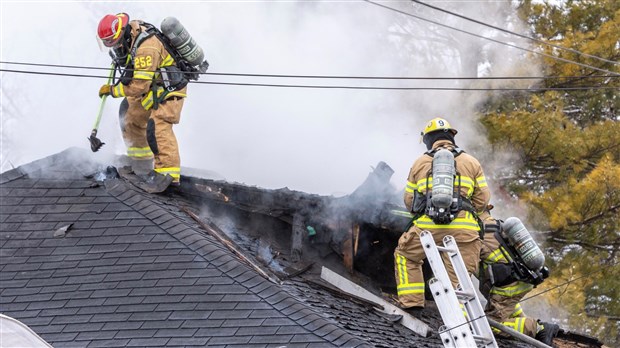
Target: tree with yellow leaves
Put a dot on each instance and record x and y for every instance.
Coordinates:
(568, 143)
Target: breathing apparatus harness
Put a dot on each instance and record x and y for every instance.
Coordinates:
(516, 269)
(173, 77)
(423, 202)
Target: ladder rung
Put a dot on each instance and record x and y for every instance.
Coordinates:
(446, 250)
(465, 294)
(482, 339)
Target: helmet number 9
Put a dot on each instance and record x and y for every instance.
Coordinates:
(440, 123)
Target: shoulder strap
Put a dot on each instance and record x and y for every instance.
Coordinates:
(455, 151)
(143, 35)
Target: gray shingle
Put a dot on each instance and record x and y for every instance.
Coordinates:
(95, 335)
(175, 332)
(110, 317)
(25, 217)
(140, 222)
(113, 224)
(272, 339)
(148, 342)
(193, 341)
(82, 327)
(215, 332)
(237, 339)
(210, 323)
(60, 337)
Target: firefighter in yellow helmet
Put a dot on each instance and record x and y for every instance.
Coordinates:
(153, 104)
(502, 291)
(463, 225)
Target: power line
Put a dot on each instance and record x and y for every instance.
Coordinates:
(491, 39)
(565, 283)
(341, 76)
(516, 34)
(338, 87)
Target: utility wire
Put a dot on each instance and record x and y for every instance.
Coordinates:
(516, 34)
(341, 77)
(339, 87)
(493, 40)
(530, 297)
(563, 284)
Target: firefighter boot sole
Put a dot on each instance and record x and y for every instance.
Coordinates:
(155, 184)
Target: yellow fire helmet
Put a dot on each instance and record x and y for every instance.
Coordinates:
(436, 124)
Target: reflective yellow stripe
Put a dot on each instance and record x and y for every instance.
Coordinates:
(147, 102)
(410, 187)
(139, 152)
(496, 256)
(467, 222)
(517, 312)
(176, 94)
(518, 324)
(167, 61)
(118, 91)
(143, 75)
(481, 181)
(401, 263)
(174, 172)
(408, 289)
(510, 291)
(465, 181)
(404, 287)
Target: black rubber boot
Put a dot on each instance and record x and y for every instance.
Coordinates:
(155, 182)
(548, 333)
(415, 311)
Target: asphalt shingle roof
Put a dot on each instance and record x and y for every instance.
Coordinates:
(130, 269)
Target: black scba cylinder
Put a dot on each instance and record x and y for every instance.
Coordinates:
(182, 41)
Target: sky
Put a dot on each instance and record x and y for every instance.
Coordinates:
(322, 141)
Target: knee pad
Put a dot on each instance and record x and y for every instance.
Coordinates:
(150, 136)
(122, 111)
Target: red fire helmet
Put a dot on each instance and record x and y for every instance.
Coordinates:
(111, 28)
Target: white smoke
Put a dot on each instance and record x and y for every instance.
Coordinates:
(314, 140)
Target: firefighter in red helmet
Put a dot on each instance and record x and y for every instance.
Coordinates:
(152, 103)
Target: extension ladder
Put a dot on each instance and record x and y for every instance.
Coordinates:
(458, 330)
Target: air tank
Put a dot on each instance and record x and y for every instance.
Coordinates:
(443, 180)
(524, 244)
(182, 41)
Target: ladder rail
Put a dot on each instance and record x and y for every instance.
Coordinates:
(465, 323)
(473, 307)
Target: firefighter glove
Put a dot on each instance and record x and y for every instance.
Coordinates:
(105, 90)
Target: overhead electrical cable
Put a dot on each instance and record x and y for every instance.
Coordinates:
(335, 86)
(491, 39)
(341, 76)
(516, 34)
